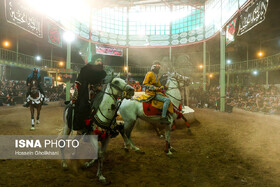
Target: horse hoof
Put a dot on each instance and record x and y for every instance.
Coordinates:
(32, 128)
(103, 181)
(126, 149)
(37, 122)
(87, 165)
(64, 165)
(170, 155)
(172, 149)
(190, 133)
(140, 152)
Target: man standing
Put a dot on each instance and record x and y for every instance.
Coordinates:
(152, 85)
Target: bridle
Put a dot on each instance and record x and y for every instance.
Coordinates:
(172, 79)
(116, 98)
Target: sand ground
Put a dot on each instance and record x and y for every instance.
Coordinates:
(236, 149)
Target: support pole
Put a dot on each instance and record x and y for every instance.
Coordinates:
(68, 66)
(56, 77)
(266, 80)
(126, 64)
(204, 66)
(227, 79)
(222, 70)
(247, 60)
(170, 54)
(52, 65)
(17, 50)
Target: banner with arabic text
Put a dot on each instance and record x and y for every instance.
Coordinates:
(252, 16)
(21, 15)
(107, 50)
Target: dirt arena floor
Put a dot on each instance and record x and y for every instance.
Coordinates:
(227, 149)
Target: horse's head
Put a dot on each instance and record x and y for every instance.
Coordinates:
(177, 80)
(34, 87)
(121, 88)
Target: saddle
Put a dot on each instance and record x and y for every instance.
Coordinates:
(152, 107)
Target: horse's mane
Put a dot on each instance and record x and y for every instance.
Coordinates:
(108, 79)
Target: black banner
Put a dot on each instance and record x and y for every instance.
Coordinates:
(54, 35)
(22, 16)
(252, 16)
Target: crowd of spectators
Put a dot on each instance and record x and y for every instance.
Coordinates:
(13, 92)
(54, 93)
(252, 98)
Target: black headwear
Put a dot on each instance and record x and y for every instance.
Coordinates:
(95, 57)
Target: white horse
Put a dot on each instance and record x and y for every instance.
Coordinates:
(130, 110)
(114, 93)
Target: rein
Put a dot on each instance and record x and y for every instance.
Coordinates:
(98, 121)
(170, 88)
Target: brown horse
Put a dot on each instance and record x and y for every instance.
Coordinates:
(35, 100)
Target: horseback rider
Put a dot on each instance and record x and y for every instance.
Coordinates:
(37, 77)
(152, 88)
(87, 85)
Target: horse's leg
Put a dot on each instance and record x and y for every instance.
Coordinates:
(187, 124)
(77, 137)
(167, 149)
(129, 113)
(32, 118)
(128, 127)
(95, 147)
(38, 113)
(66, 132)
(101, 153)
(125, 139)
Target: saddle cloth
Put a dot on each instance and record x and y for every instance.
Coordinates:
(35, 100)
(152, 107)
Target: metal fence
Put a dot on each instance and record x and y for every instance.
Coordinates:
(28, 61)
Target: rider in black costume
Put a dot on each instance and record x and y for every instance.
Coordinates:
(34, 76)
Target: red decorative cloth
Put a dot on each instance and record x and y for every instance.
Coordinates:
(149, 110)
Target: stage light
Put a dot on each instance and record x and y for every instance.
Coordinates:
(255, 72)
(200, 66)
(61, 63)
(6, 44)
(38, 58)
(69, 37)
(228, 61)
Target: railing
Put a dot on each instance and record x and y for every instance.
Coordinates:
(30, 61)
(24, 60)
(255, 64)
